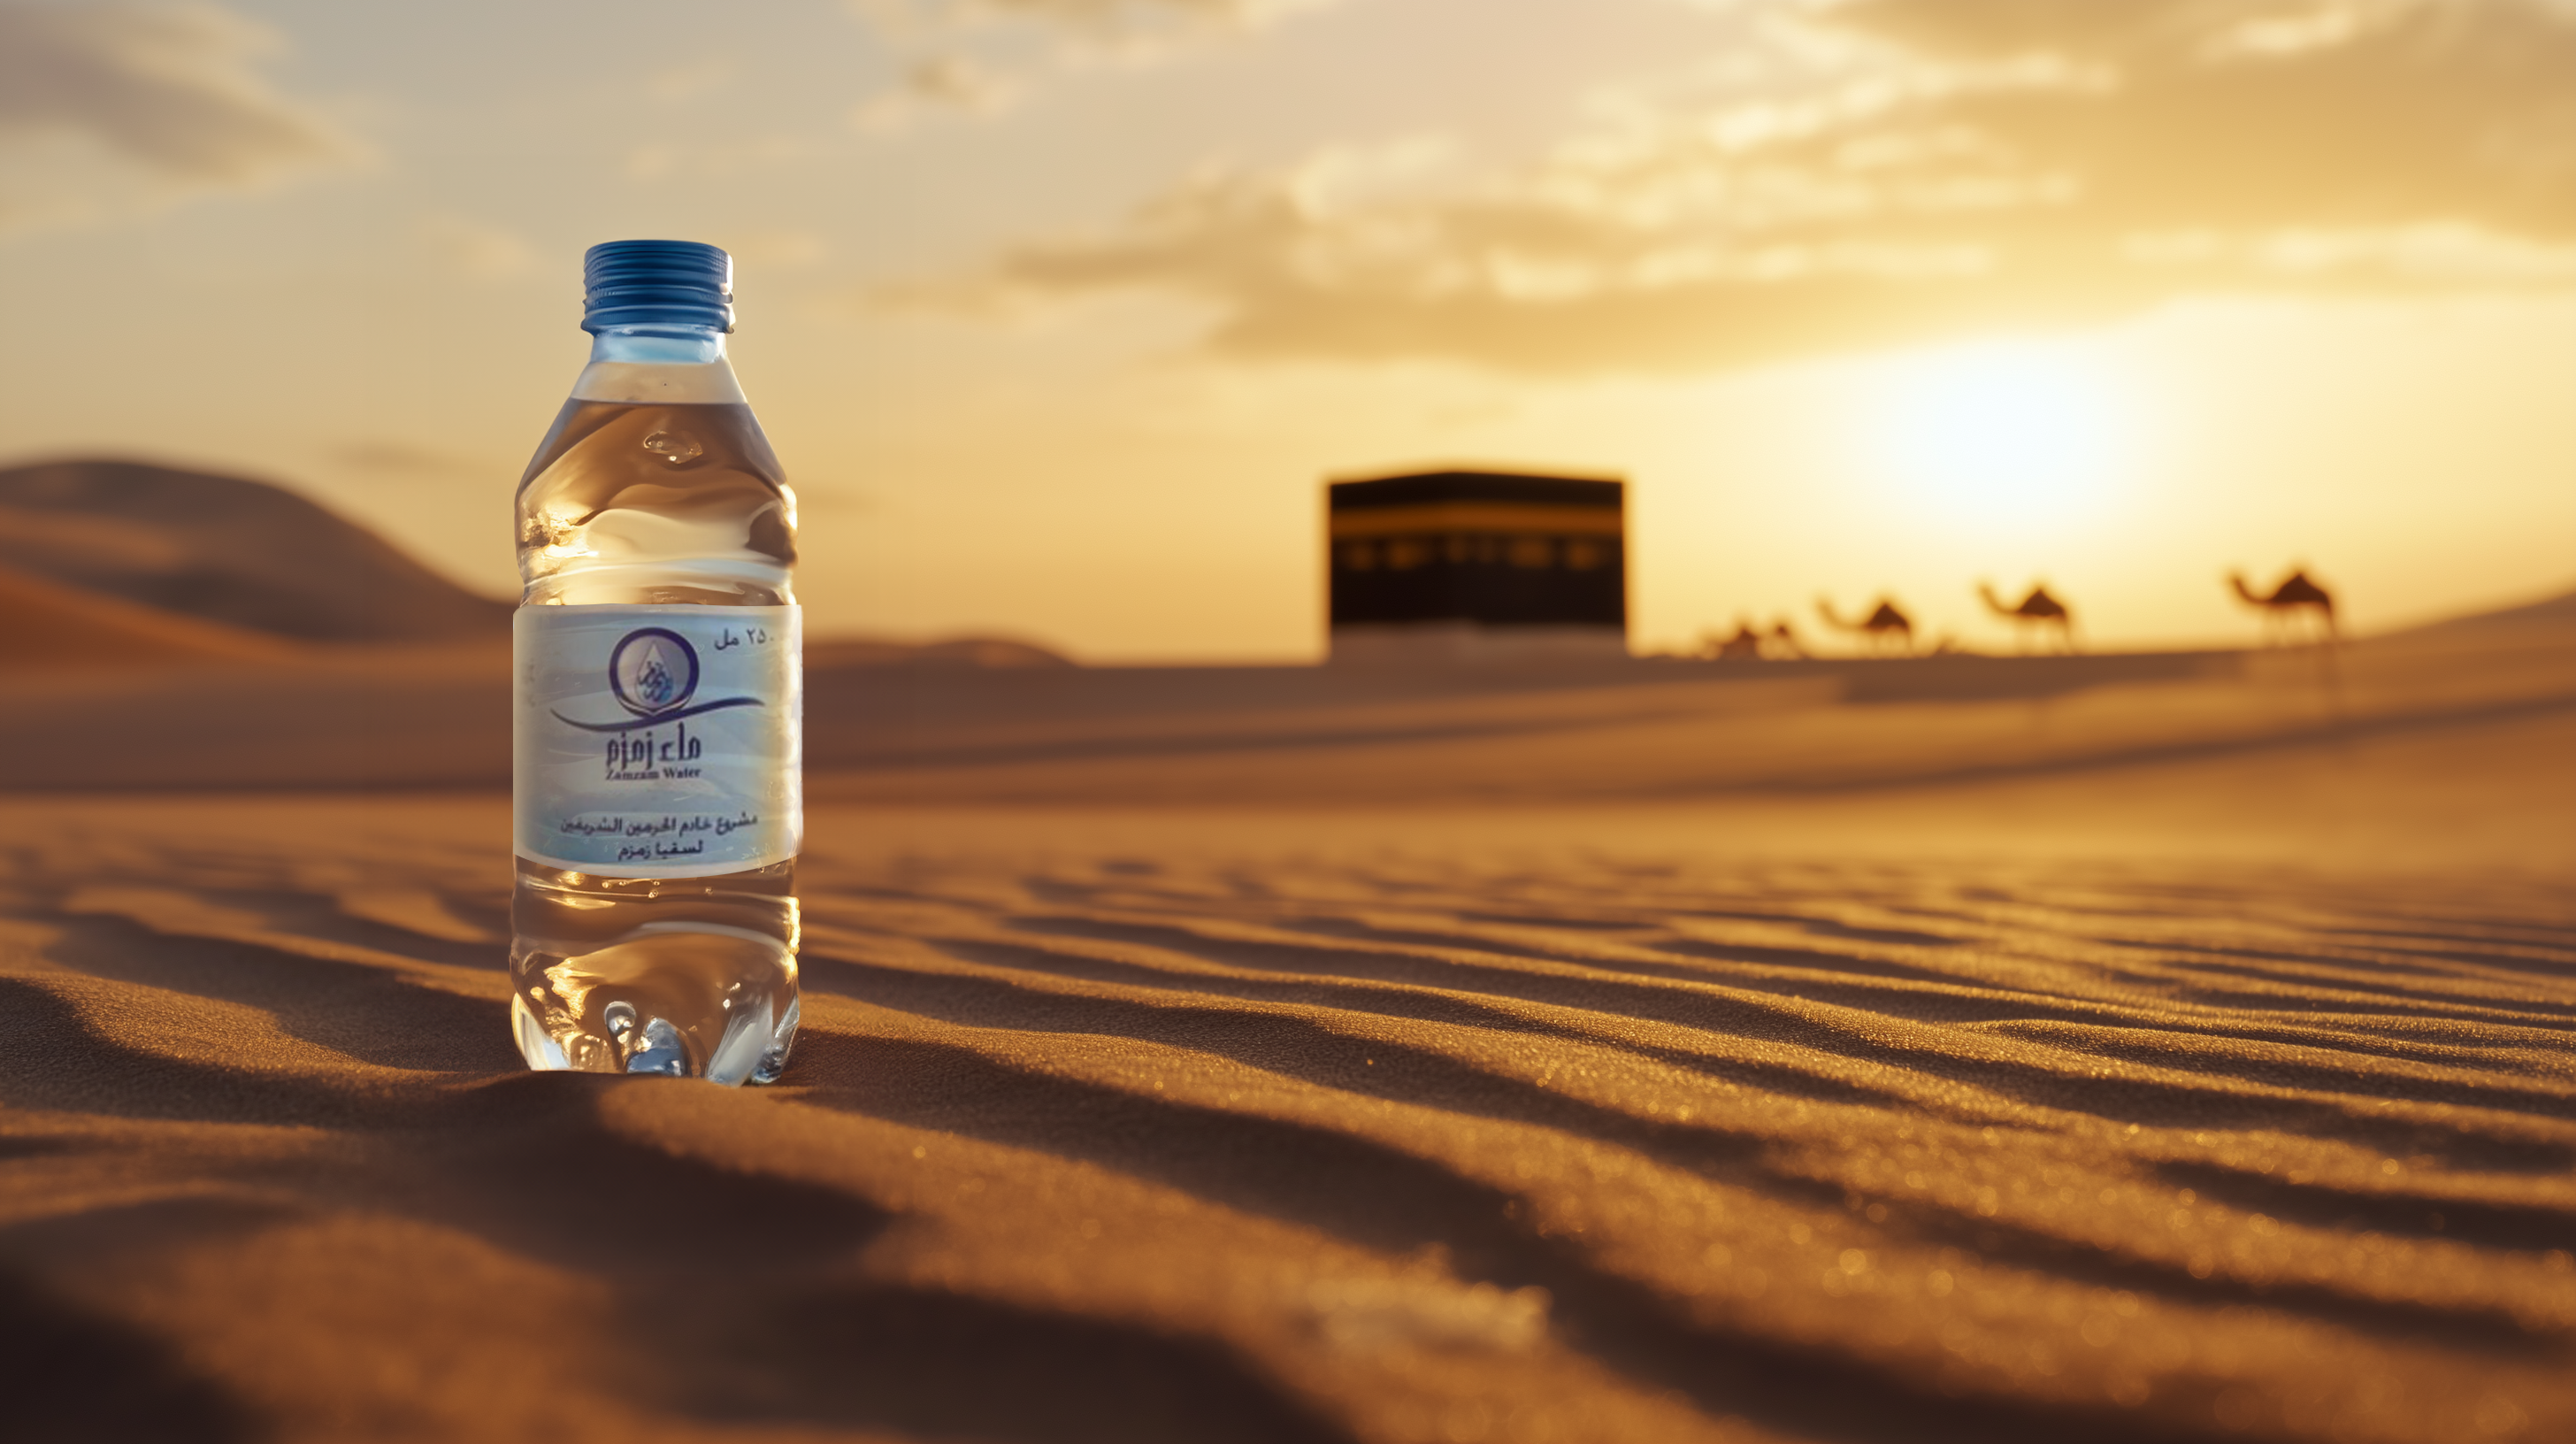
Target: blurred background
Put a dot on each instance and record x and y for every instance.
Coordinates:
(1061, 310)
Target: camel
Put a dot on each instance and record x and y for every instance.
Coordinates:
(1784, 643)
(1884, 625)
(2039, 611)
(2295, 596)
(1744, 646)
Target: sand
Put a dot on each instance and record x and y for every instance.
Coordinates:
(52, 627)
(2112, 1050)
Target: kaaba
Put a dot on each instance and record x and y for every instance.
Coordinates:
(1477, 566)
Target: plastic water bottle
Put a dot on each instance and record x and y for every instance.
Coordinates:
(658, 786)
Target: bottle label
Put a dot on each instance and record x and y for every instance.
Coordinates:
(659, 741)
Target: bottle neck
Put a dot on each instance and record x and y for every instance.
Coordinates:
(658, 345)
(658, 364)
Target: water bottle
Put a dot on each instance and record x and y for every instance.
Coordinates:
(657, 785)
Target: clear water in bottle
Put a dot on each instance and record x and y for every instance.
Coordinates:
(658, 803)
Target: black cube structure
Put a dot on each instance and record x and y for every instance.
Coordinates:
(1465, 566)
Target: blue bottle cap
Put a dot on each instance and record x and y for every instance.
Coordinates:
(656, 283)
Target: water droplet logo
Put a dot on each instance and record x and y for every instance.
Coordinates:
(653, 674)
(652, 671)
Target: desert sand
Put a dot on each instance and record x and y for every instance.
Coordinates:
(2149, 1048)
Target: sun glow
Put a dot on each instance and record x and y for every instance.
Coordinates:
(2004, 436)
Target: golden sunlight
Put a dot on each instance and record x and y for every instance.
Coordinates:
(2003, 435)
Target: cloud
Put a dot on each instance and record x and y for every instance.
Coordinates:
(475, 250)
(984, 57)
(1125, 16)
(1878, 172)
(1114, 21)
(940, 84)
(104, 106)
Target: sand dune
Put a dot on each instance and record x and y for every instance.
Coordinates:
(1663, 734)
(2117, 1048)
(421, 715)
(53, 626)
(229, 550)
(1178, 1125)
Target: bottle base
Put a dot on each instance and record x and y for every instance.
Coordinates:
(719, 1004)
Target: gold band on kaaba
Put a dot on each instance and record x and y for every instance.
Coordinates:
(1474, 518)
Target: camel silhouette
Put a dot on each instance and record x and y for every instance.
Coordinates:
(2295, 597)
(1744, 646)
(2037, 612)
(1882, 626)
(1784, 643)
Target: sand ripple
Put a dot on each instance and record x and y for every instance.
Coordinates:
(1196, 1135)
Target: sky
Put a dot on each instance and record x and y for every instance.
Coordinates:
(1060, 312)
